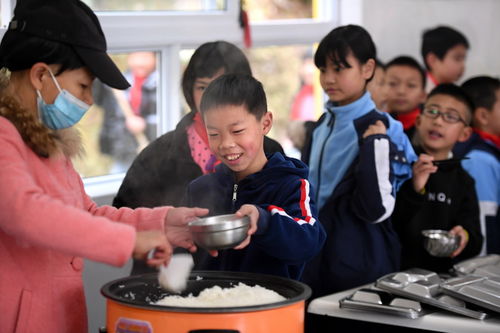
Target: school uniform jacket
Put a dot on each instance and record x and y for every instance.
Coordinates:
(483, 164)
(449, 200)
(288, 231)
(357, 179)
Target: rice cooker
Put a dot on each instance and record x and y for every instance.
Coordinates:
(129, 307)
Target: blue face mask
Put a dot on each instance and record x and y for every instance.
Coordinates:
(66, 111)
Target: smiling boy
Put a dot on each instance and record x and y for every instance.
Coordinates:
(272, 190)
(441, 194)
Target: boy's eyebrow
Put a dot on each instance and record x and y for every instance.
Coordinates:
(238, 122)
(439, 106)
(433, 105)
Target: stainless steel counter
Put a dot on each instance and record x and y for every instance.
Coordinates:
(436, 321)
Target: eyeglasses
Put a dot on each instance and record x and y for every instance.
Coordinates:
(450, 117)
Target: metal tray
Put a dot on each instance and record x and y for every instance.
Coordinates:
(481, 266)
(383, 302)
(479, 290)
(424, 286)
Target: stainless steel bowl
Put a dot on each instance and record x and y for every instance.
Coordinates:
(219, 232)
(440, 243)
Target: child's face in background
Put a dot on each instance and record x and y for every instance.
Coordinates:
(199, 86)
(405, 91)
(378, 89)
(345, 85)
(490, 119)
(494, 121)
(438, 136)
(451, 68)
(236, 137)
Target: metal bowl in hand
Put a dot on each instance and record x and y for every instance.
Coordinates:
(219, 232)
(440, 243)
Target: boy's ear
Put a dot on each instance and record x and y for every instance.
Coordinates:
(466, 133)
(368, 69)
(481, 117)
(418, 121)
(267, 122)
(431, 59)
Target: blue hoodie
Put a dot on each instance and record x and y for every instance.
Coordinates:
(484, 166)
(288, 231)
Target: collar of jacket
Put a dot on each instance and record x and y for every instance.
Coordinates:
(42, 140)
(354, 110)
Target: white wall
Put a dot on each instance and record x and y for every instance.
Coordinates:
(397, 25)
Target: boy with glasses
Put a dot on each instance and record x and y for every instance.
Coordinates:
(441, 195)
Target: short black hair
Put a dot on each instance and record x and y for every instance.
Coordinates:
(21, 51)
(235, 89)
(207, 60)
(339, 42)
(439, 40)
(409, 62)
(456, 92)
(482, 90)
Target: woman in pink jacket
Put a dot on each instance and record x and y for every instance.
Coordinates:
(53, 50)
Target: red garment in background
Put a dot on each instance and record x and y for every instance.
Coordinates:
(408, 119)
(489, 137)
(303, 104)
(136, 94)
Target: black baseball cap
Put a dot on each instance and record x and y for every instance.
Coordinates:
(73, 23)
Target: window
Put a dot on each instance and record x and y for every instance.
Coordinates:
(290, 81)
(276, 35)
(158, 5)
(120, 123)
(264, 10)
(169, 28)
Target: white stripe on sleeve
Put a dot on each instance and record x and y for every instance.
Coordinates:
(382, 165)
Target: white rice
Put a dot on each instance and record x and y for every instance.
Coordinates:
(239, 295)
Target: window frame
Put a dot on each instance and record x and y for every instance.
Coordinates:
(169, 32)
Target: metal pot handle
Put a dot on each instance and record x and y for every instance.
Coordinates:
(214, 331)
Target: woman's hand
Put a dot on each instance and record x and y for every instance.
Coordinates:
(176, 226)
(464, 239)
(422, 169)
(146, 241)
(252, 212)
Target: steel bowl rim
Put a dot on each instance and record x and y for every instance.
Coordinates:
(218, 223)
(440, 243)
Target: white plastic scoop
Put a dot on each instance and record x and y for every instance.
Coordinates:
(174, 277)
